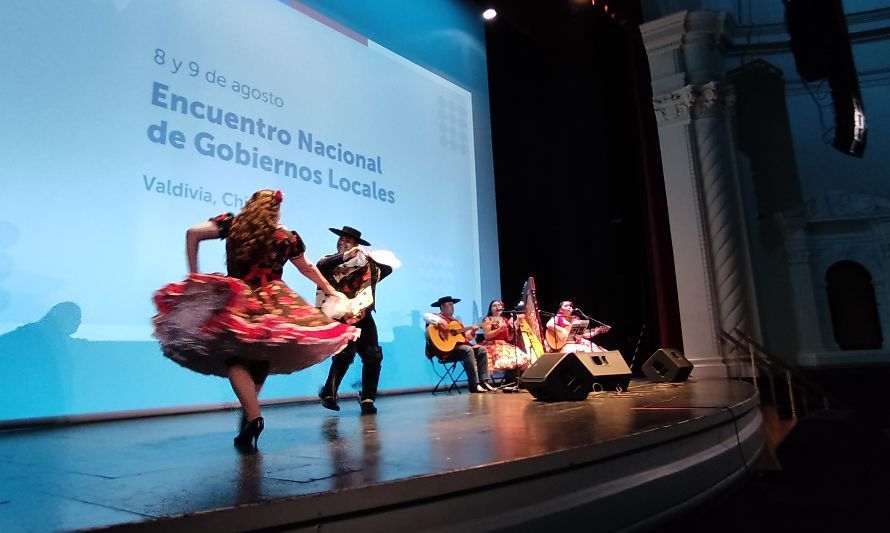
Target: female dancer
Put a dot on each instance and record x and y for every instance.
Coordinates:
(248, 324)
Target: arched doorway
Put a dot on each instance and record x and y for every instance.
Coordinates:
(853, 307)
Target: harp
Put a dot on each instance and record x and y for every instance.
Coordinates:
(528, 330)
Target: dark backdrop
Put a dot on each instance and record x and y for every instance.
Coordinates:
(573, 159)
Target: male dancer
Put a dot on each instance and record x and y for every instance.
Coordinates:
(352, 272)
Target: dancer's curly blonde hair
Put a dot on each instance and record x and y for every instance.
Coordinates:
(251, 237)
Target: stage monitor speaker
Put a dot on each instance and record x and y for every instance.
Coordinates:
(609, 369)
(667, 364)
(558, 377)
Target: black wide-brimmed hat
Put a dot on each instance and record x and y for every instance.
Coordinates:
(348, 231)
(442, 300)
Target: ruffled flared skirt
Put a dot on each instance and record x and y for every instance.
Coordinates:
(209, 321)
(504, 356)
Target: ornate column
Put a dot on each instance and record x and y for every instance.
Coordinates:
(693, 107)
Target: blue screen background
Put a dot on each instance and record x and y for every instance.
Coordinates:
(97, 200)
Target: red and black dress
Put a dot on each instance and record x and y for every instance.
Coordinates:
(502, 353)
(209, 321)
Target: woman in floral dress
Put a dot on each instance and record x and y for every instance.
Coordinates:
(499, 331)
(248, 324)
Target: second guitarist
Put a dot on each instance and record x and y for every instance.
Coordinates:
(352, 272)
(558, 327)
(473, 358)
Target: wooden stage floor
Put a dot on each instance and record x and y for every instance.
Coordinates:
(616, 461)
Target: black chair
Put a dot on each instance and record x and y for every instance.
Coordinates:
(450, 375)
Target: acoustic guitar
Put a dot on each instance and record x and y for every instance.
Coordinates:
(455, 334)
(557, 339)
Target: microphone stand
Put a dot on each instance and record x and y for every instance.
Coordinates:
(633, 359)
(514, 385)
(585, 317)
(589, 320)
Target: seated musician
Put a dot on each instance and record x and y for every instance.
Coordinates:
(558, 330)
(473, 358)
(500, 343)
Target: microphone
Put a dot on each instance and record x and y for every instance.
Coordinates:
(585, 317)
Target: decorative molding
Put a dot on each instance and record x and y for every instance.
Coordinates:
(719, 29)
(674, 106)
(842, 205)
(693, 101)
(663, 34)
(710, 28)
(797, 255)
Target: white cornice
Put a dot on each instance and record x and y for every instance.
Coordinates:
(678, 28)
(687, 27)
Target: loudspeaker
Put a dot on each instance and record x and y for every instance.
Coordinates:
(820, 43)
(819, 37)
(609, 369)
(667, 364)
(559, 377)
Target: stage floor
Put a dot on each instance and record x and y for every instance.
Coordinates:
(419, 453)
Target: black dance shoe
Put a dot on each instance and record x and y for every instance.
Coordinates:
(246, 441)
(476, 388)
(367, 405)
(488, 386)
(328, 401)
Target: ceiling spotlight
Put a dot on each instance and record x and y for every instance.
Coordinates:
(489, 14)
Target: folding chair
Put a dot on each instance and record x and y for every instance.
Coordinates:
(450, 372)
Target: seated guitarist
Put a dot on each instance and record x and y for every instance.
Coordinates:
(558, 329)
(356, 275)
(473, 358)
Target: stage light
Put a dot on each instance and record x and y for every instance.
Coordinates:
(489, 14)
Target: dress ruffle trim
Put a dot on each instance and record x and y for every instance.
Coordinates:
(505, 356)
(207, 320)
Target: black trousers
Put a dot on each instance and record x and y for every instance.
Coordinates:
(368, 348)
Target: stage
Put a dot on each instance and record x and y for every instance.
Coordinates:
(470, 462)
